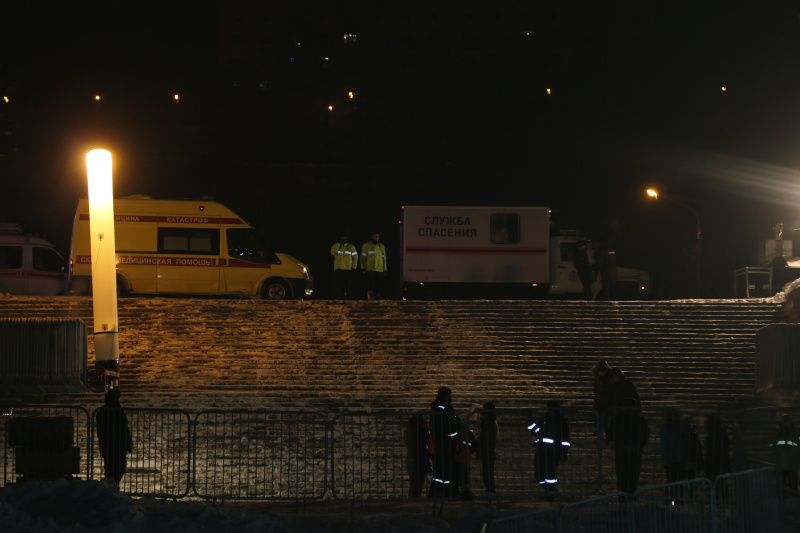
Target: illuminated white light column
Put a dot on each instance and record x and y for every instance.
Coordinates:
(104, 262)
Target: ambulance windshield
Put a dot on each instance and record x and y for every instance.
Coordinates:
(246, 244)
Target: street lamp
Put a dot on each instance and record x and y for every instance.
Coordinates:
(656, 195)
(104, 258)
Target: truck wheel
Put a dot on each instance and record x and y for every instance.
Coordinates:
(274, 289)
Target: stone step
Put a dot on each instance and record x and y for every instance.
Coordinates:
(393, 355)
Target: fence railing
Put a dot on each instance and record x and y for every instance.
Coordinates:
(274, 455)
(737, 503)
(260, 455)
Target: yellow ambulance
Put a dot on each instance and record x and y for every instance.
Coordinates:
(187, 247)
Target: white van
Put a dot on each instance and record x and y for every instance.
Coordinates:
(29, 265)
(187, 247)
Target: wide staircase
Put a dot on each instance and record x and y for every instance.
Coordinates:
(393, 355)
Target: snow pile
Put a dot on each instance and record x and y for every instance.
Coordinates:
(64, 506)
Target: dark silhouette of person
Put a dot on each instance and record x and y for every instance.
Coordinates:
(114, 436)
(487, 445)
(718, 448)
(584, 266)
(629, 432)
(623, 389)
(786, 452)
(693, 456)
(445, 434)
(672, 455)
(603, 396)
(607, 265)
(417, 462)
(552, 441)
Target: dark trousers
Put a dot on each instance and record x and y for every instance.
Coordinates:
(628, 462)
(487, 470)
(417, 472)
(374, 285)
(115, 466)
(545, 465)
(446, 481)
(586, 280)
(343, 283)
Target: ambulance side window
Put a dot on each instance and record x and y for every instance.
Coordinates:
(245, 244)
(505, 228)
(48, 260)
(197, 241)
(11, 257)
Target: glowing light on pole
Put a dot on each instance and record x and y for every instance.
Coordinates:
(656, 195)
(104, 267)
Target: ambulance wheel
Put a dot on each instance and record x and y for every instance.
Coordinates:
(121, 289)
(274, 289)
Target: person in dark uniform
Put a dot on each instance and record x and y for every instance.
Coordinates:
(551, 437)
(584, 265)
(114, 436)
(445, 432)
(607, 265)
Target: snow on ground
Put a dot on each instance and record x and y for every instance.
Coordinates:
(70, 506)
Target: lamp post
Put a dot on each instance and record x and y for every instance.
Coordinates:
(104, 268)
(656, 195)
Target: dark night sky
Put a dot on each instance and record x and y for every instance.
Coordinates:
(646, 110)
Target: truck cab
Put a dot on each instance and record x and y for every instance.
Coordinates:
(632, 283)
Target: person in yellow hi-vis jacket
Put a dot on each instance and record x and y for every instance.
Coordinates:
(373, 263)
(345, 260)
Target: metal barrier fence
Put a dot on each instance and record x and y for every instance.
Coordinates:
(43, 355)
(749, 501)
(542, 520)
(44, 442)
(676, 507)
(267, 455)
(373, 456)
(737, 503)
(609, 513)
(263, 455)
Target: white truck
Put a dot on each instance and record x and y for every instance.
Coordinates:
(495, 252)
